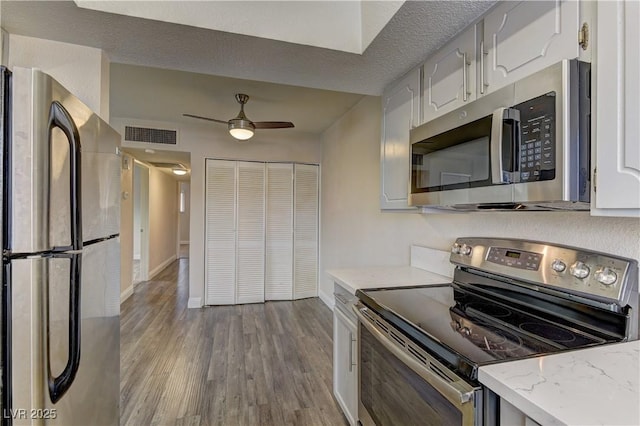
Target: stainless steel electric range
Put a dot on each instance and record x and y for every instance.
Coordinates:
(420, 347)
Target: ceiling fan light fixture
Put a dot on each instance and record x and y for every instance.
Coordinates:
(179, 170)
(241, 129)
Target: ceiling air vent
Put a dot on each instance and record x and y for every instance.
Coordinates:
(148, 135)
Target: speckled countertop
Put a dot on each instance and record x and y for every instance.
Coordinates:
(353, 279)
(595, 386)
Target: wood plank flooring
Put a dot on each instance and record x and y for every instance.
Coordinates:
(260, 364)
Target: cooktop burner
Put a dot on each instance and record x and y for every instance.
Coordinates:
(549, 331)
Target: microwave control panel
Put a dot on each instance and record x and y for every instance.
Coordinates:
(537, 138)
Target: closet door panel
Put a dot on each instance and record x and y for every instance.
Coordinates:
(250, 234)
(305, 265)
(220, 213)
(279, 232)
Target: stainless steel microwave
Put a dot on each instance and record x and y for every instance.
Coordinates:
(523, 147)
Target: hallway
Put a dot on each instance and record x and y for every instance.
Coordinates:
(268, 364)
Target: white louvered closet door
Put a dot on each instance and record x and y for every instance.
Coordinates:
(220, 208)
(279, 237)
(305, 263)
(250, 235)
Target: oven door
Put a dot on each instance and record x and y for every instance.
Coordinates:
(399, 383)
(468, 156)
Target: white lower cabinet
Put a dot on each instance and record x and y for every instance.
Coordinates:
(345, 368)
(511, 416)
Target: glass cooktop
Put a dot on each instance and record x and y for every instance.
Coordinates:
(466, 330)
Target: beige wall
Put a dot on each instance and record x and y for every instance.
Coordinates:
(126, 223)
(163, 220)
(354, 232)
(84, 71)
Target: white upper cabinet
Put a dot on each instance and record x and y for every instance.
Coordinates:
(449, 79)
(523, 37)
(400, 113)
(617, 110)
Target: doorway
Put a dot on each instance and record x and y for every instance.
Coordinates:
(184, 218)
(140, 222)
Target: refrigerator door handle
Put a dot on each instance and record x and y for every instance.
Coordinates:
(59, 117)
(59, 385)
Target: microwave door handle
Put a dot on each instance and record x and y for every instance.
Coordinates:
(498, 174)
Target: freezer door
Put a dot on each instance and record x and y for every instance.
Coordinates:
(63, 156)
(93, 396)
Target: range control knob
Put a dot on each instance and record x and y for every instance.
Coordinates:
(455, 249)
(580, 270)
(465, 250)
(606, 276)
(558, 265)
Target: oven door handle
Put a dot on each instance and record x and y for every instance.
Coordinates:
(458, 392)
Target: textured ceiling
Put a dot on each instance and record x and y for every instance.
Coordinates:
(416, 31)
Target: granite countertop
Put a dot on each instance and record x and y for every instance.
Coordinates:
(595, 386)
(353, 279)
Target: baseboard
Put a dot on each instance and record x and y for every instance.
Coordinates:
(194, 302)
(155, 271)
(328, 300)
(126, 294)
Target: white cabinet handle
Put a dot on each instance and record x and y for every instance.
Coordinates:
(482, 55)
(465, 90)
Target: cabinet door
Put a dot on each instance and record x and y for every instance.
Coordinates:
(250, 232)
(220, 214)
(305, 207)
(400, 113)
(449, 79)
(617, 109)
(279, 233)
(345, 371)
(523, 37)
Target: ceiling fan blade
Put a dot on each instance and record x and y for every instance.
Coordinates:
(273, 124)
(206, 118)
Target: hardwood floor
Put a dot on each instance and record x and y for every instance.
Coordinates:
(260, 364)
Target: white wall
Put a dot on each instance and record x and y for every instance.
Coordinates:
(205, 141)
(137, 191)
(84, 71)
(163, 220)
(354, 232)
(126, 222)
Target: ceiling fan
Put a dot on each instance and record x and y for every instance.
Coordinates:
(240, 126)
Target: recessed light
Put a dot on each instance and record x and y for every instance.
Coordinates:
(179, 172)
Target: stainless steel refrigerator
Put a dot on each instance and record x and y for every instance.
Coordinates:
(61, 256)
